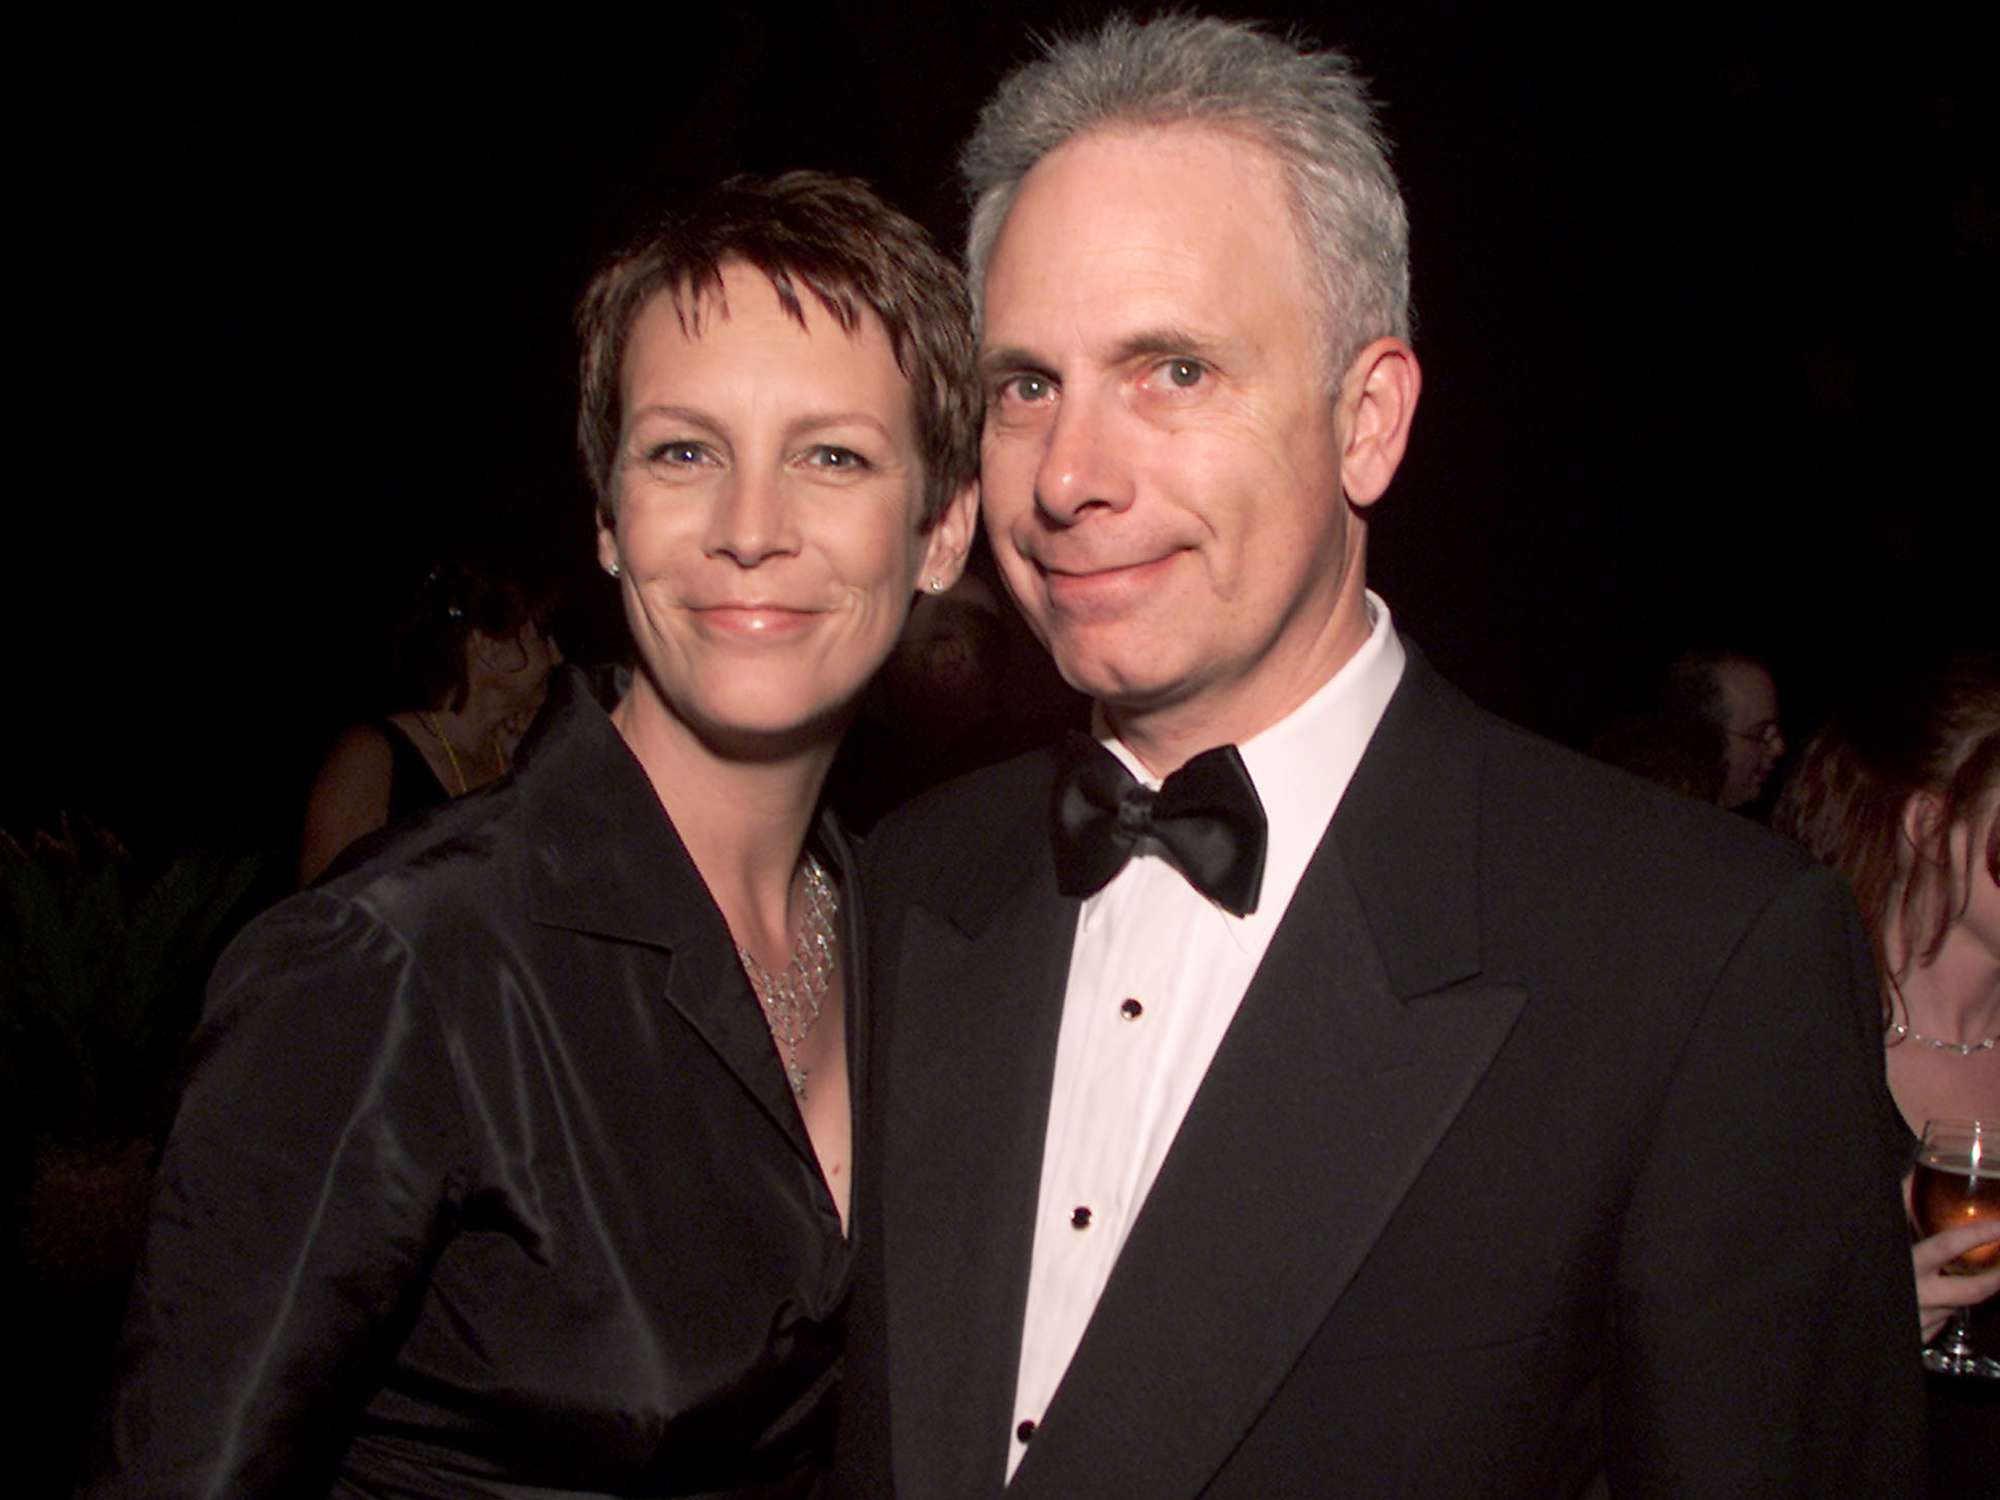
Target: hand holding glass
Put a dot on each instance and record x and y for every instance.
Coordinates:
(1957, 1182)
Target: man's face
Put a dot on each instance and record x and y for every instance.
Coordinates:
(1161, 464)
(1750, 699)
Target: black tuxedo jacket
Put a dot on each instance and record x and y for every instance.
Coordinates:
(1549, 1146)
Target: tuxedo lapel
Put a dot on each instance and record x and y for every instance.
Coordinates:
(1345, 1065)
(962, 1152)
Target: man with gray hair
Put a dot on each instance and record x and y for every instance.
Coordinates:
(1342, 1093)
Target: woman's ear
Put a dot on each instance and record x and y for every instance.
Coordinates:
(607, 544)
(949, 541)
(1923, 826)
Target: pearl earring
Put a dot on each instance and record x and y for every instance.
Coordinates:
(611, 568)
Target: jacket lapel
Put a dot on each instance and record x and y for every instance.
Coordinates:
(606, 861)
(1362, 1036)
(962, 1152)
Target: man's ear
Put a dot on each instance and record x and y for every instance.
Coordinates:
(1378, 401)
(949, 540)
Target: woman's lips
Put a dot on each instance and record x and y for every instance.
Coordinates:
(754, 621)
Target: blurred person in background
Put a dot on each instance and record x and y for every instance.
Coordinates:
(1682, 753)
(1901, 794)
(473, 654)
(1736, 694)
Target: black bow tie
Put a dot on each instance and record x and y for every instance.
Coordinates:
(1205, 817)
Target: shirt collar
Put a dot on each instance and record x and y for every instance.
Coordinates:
(1302, 764)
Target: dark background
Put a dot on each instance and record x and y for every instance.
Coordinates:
(1706, 305)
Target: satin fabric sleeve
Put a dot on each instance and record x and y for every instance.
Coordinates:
(301, 1194)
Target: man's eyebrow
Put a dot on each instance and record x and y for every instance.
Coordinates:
(1011, 359)
(1154, 343)
(1164, 343)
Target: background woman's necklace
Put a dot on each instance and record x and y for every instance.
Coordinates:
(793, 998)
(1903, 1028)
(430, 722)
(1957, 1049)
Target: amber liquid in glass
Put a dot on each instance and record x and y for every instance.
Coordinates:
(1947, 1192)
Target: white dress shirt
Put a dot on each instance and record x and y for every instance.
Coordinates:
(1155, 978)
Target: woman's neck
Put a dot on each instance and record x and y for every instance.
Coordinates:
(1945, 1006)
(462, 753)
(744, 820)
(1955, 997)
(476, 722)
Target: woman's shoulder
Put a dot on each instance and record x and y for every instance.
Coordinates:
(364, 972)
(361, 746)
(460, 861)
(321, 983)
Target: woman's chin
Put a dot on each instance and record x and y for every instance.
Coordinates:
(740, 723)
(764, 738)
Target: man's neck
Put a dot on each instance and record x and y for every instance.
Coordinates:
(1166, 736)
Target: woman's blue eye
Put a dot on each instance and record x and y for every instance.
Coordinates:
(680, 454)
(831, 457)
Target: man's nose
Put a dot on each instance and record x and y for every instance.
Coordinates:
(1084, 461)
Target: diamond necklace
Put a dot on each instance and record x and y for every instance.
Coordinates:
(1901, 1029)
(793, 998)
(1963, 1049)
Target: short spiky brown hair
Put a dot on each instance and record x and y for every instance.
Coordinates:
(847, 247)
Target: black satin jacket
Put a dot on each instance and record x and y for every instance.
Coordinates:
(488, 1180)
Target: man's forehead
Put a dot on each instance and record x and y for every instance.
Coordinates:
(1151, 171)
(1747, 688)
(1117, 229)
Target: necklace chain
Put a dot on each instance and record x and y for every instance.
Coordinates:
(794, 997)
(431, 722)
(1961, 1049)
(1901, 1029)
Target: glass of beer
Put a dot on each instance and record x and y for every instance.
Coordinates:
(1958, 1181)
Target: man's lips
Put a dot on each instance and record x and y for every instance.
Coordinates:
(1101, 588)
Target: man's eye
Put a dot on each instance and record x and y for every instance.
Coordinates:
(1184, 373)
(1029, 388)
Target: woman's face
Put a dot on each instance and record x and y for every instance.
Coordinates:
(512, 672)
(769, 486)
(520, 667)
(1980, 915)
